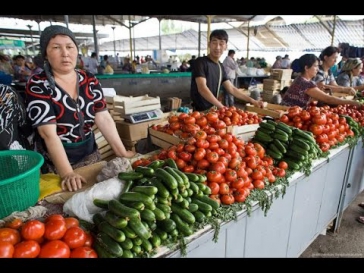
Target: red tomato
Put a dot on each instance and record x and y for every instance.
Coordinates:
(283, 165)
(83, 252)
(89, 239)
(212, 157)
(215, 187)
(227, 199)
(32, 230)
(6, 250)
(188, 169)
(258, 184)
(201, 121)
(189, 120)
(71, 222)
(239, 196)
(231, 175)
(55, 249)
(238, 183)
(189, 148)
(27, 249)
(55, 229)
(203, 164)
(224, 160)
(15, 223)
(74, 237)
(184, 156)
(180, 163)
(213, 176)
(212, 116)
(9, 235)
(54, 217)
(224, 188)
(218, 167)
(200, 135)
(257, 175)
(234, 163)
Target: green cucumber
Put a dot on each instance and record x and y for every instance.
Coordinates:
(162, 189)
(127, 254)
(104, 204)
(156, 164)
(181, 225)
(167, 225)
(98, 218)
(102, 250)
(137, 226)
(159, 214)
(192, 177)
(202, 206)
(267, 125)
(147, 215)
(180, 181)
(127, 244)
(168, 180)
(113, 232)
(123, 210)
(137, 196)
(148, 190)
(171, 163)
(129, 233)
(204, 198)
(186, 215)
(109, 243)
(129, 175)
(146, 171)
(127, 186)
(114, 220)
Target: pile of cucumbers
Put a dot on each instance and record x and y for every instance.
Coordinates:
(159, 204)
(287, 143)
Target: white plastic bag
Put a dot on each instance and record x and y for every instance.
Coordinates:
(81, 204)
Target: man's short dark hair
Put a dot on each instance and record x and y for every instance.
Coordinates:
(220, 34)
(231, 51)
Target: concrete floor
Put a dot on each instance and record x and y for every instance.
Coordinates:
(347, 242)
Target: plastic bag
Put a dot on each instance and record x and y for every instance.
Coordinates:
(81, 204)
(113, 167)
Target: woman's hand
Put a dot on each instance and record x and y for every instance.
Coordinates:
(351, 91)
(129, 154)
(72, 181)
(258, 103)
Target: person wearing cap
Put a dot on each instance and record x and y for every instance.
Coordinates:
(63, 104)
(209, 73)
(349, 74)
(324, 78)
(304, 90)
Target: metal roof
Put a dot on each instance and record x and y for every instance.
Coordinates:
(272, 36)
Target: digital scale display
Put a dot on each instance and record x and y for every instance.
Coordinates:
(144, 116)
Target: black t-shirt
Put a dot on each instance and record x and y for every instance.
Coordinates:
(206, 68)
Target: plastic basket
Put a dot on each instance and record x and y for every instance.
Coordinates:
(19, 180)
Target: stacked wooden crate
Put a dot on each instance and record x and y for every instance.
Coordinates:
(279, 78)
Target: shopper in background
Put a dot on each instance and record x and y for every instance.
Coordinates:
(15, 128)
(231, 67)
(21, 71)
(209, 73)
(183, 67)
(38, 64)
(191, 62)
(63, 103)
(303, 90)
(277, 63)
(286, 62)
(349, 75)
(324, 78)
(93, 63)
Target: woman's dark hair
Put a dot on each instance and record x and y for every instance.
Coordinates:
(220, 34)
(307, 60)
(328, 51)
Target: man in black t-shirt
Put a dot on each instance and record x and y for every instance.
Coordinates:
(208, 72)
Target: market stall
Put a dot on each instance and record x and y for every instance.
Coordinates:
(271, 194)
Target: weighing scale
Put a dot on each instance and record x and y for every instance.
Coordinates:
(144, 116)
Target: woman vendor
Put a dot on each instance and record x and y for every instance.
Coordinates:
(63, 104)
(303, 90)
(349, 74)
(324, 78)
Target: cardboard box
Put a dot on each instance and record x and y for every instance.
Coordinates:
(136, 131)
(272, 110)
(281, 74)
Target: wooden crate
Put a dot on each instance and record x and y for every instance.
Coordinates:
(343, 96)
(245, 132)
(272, 110)
(163, 140)
(130, 105)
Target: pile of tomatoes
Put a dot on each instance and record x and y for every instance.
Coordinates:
(55, 237)
(186, 125)
(327, 126)
(232, 167)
